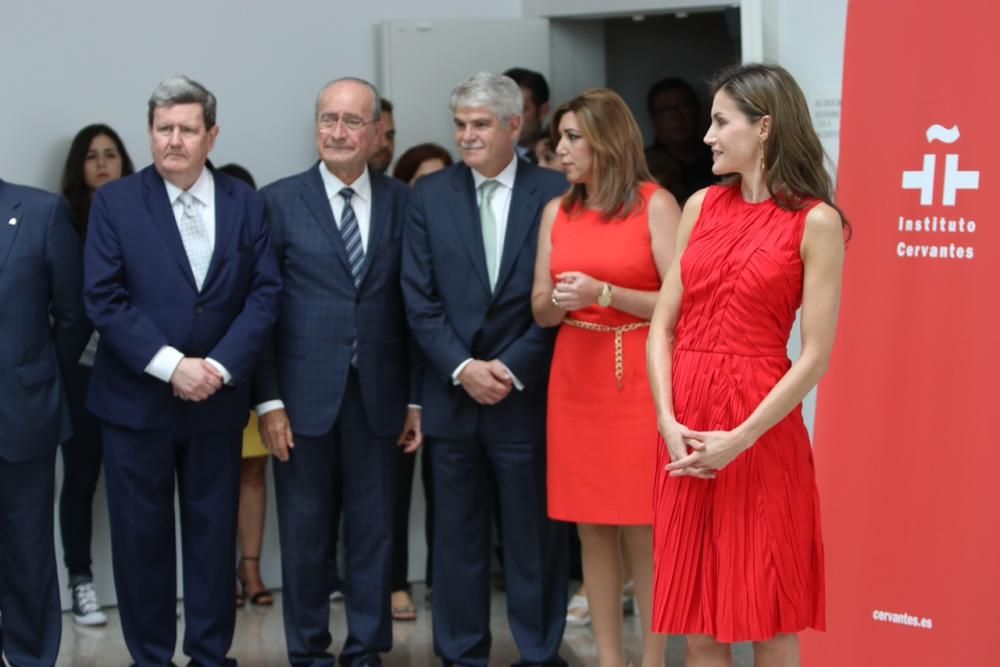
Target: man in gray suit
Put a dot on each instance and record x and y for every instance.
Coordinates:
(42, 325)
(334, 397)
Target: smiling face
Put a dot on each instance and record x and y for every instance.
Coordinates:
(102, 163)
(485, 142)
(180, 143)
(734, 138)
(575, 154)
(346, 132)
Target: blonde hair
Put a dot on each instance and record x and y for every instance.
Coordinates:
(619, 161)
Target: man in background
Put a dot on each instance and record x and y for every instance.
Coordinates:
(535, 90)
(385, 145)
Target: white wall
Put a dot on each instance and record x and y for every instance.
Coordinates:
(67, 64)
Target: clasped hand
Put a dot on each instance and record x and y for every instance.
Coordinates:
(576, 290)
(195, 379)
(487, 382)
(700, 453)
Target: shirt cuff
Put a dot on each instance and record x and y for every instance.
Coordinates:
(414, 406)
(226, 377)
(269, 406)
(513, 378)
(458, 371)
(164, 363)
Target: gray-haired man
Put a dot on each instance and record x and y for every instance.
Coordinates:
(468, 266)
(181, 283)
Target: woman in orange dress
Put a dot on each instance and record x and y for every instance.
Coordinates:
(739, 552)
(602, 250)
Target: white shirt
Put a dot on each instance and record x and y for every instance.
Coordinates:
(164, 362)
(501, 209)
(361, 201)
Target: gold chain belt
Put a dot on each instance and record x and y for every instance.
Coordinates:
(617, 331)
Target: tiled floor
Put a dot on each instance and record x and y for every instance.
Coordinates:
(259, 641)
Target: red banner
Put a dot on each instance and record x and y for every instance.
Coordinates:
(908, 459)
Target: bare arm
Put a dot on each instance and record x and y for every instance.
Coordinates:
(660, 342)
(546, 313)
(664, 217)
(822, 253)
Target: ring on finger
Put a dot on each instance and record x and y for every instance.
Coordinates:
(555, 300)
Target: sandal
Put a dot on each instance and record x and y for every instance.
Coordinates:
(261, 597)
(578, 612)
(403, 610)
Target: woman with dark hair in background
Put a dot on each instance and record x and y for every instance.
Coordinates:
(253, 488)
(417, 161)
(96, 156)
(739, 550)
(602, 249)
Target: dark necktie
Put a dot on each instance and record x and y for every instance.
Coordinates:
(351, 233)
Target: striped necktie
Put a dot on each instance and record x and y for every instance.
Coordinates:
(351, 233)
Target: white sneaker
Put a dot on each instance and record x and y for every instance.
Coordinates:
(578, 612)
(86, 608)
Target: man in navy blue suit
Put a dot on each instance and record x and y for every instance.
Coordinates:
(40, 276)
(180, 281)
(468, 265)
(337, 395)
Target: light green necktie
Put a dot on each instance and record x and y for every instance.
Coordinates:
(489, 223)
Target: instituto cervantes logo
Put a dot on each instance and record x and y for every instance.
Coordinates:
(939, 234)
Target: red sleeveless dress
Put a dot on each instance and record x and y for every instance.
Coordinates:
(740, 557)
(602, 436)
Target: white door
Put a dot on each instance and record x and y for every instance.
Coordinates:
(422, 61)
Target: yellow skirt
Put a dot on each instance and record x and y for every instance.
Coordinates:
(253, 446)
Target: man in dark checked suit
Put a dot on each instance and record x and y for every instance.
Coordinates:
(41, 325)
(468, 266)
(335, 399)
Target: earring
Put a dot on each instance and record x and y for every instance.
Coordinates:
(763, 163)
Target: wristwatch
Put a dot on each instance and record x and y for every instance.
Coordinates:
(604, 298)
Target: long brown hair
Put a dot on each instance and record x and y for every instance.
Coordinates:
(619, 161)
(793, 155)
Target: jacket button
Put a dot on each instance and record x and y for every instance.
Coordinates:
(199, 310)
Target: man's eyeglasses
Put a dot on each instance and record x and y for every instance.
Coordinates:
(328, 121)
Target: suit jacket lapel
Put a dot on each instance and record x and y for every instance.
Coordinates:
(379, 221)
(465, 215)
(158, 206)
(314, 196)
(9, 210)
(225, 224)
(524, 205)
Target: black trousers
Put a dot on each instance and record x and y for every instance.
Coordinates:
(401, 530)
(81, 456)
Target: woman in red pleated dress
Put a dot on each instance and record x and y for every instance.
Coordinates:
(602, 250)
(738, 547)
